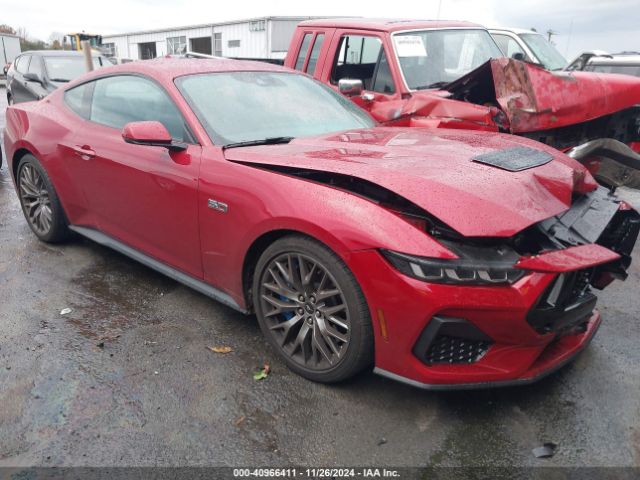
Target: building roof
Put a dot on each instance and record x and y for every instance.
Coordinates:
(166, 69)
(387, 24)
(203, 25)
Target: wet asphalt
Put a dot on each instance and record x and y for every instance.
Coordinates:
(126, 379)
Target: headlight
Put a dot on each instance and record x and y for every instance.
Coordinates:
(455, 272)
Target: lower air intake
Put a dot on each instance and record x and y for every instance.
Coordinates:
(446, 349)
(448, 340)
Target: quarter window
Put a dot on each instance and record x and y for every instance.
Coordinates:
(78, 101)
(315, 53)
(120, 100)
(302, 54)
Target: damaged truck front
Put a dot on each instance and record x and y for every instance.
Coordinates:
(451, 75)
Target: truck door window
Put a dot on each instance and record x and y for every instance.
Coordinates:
(507, 44)
(363, 58)
(315, 53)
(302, 54)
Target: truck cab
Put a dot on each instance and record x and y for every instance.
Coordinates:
(449, 74)
(390, 58)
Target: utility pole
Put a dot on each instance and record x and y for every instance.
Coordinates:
(551, 33)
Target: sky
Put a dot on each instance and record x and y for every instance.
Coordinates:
(610, 25)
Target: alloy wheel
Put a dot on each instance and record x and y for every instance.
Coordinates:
(35, 199)
(305, 310)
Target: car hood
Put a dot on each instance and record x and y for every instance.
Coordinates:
(436, 170)
(531, 98)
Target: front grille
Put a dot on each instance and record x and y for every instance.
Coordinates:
(447, 349)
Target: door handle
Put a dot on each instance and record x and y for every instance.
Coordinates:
(84, 151)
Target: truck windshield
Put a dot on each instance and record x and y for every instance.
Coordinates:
(432, 58)
(239, 107)
(549, 57)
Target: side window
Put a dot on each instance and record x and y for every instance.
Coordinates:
(35, 66)
(302, 54)
(78, 101)
(119, 100)
(363, 58)
(508, 45)
(315, 53)
(23, 64)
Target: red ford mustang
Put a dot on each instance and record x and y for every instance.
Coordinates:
(445, 258)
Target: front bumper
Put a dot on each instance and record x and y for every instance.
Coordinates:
(521, 349)
(555, 356)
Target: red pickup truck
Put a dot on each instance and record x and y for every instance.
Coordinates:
(451, 75)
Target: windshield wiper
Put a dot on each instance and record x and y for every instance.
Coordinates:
(59, 80)
(433, 85)
(264, 141)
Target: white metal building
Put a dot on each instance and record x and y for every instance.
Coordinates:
(263, 37)
(9, 49)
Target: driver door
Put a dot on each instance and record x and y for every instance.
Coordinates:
(143, 196)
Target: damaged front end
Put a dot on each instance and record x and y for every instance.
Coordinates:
(586, 247)
(594, 117)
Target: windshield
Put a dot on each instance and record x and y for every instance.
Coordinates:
(547, 55)
(65, 69)
(431, 58)
(248, 106)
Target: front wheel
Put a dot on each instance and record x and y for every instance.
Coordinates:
(312, 310)
(40, 203)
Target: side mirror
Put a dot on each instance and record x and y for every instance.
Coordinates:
(152, 134)
(32, 77)
(350, 87)
(518, 56)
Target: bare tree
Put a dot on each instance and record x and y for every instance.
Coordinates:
(56, 40)
(4, 28)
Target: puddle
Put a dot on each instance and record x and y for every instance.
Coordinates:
(114, 295)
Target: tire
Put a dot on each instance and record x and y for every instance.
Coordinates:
(335, 328)
(34, 186)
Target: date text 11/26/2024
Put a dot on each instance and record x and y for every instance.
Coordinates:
(315, 472)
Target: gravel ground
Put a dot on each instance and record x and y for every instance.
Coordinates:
(126, 379)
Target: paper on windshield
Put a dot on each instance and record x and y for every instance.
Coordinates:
(410, 46)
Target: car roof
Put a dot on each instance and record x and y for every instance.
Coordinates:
(386, 24)
(166, 69)
(625, 58)
(57, 53)
(517, 31)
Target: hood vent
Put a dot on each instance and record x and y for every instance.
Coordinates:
(514, 159)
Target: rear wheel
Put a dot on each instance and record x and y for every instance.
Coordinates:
(40, 203)
(312, 310)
